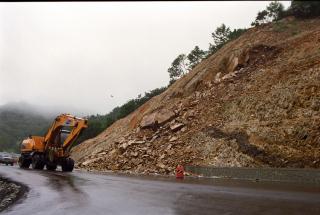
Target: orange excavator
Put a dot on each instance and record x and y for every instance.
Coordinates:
(54, 148)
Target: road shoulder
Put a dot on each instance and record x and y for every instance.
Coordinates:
(10, 192)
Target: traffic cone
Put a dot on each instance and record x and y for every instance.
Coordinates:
(180, 172)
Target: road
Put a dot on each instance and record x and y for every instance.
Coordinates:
(88, 193)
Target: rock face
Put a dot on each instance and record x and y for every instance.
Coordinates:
(254, 103)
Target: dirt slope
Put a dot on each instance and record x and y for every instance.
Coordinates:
(254, 103)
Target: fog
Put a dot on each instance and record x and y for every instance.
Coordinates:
(89, 57)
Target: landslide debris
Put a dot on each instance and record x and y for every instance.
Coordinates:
(255, 103)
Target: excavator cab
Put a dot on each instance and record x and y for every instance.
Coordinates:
(61, 137)
(64, 135)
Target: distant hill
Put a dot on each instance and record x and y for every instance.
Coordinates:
(18, 120)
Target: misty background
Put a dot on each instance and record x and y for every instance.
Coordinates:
(89, 57)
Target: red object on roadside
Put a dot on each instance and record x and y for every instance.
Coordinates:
(180, 172)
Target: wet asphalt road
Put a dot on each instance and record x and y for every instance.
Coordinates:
(88, 193)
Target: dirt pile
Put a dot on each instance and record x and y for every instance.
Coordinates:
(254, 103)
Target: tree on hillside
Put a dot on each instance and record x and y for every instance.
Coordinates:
(236, 33)
(261, 18)
(273, 12)
(195, 56)
(178, 67)
(222, 35)
(305, 9)
(183, 63)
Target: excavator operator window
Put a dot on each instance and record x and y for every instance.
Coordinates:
(63, 135)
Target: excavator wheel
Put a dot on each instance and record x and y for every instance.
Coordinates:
(51, 167)
(24, 163)
(37, 162)
(67, 165)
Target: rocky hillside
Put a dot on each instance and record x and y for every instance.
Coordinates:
(254, 103)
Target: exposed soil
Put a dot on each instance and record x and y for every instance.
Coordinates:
(255, 103)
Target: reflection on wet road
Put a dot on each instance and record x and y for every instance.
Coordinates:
(88, 193)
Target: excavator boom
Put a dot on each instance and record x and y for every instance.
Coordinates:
(62, 125)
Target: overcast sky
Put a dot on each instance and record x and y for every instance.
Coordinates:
(77, 54)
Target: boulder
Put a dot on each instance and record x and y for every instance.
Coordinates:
(148, 121)
(139, 142)
(233, 64)
(173, 139)
(153, 138)
(157, 118)
(113, 152)
(121, 140)
(239, 61)
(124, 146)
(134, 154)
(229, 75)
(163, 116)
(176, 127)
(162, 156)
(217, 78)
(161, 165)
(87, 162)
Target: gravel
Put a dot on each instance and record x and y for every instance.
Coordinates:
(10, 192)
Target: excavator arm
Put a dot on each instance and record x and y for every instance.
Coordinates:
(75, 132)
(64, 130)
